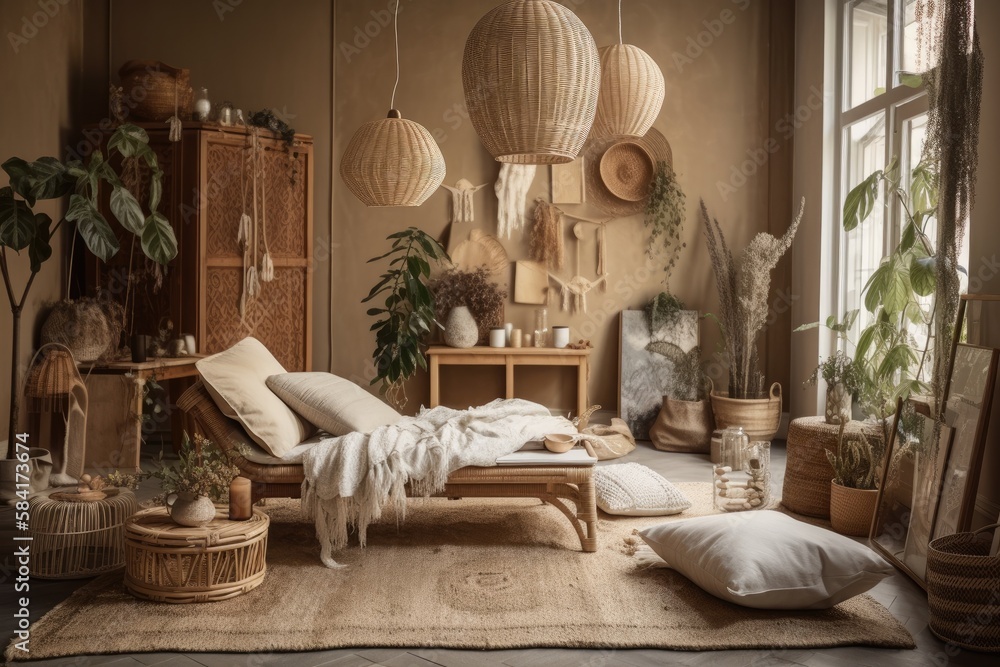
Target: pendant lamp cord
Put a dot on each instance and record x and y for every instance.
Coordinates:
(395, 30)
(620, 40)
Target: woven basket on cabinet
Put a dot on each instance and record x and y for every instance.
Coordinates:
(154, 90)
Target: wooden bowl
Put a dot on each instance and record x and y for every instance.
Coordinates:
(559, 443)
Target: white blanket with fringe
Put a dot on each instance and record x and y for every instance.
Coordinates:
(349, 479)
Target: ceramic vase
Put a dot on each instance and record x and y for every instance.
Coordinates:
(838, 402)
(190, 510)
(460, 329)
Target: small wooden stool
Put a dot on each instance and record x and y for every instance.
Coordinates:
(167, 562)
(72, 540)
(806, 488)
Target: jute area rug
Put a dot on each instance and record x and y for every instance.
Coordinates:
(485, 574)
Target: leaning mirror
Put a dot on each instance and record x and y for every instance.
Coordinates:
(911, 484)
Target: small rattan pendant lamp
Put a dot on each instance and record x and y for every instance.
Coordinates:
(392, 162)
(631, 89)
(531, 75)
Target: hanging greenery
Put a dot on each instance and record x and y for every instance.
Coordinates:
(267, 119)
(665, 219)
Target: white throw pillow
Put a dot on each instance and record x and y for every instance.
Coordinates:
(236, 380)
(635, 490)
(336, 405)
(767, 560)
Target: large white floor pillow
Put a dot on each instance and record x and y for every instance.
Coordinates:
(632, 489)
(767, 560)
(237, 381)
(336, 405)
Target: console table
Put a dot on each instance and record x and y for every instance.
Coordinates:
(509, 357)
(116, 389)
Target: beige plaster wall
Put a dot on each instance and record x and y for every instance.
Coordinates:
(39, 73)
(716, 110)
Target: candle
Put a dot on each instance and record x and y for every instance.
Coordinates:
(560, 336)
(240, 503)
(498, 337)
(515, 338)
(526, 340)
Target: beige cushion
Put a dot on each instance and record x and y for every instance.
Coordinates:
(236, 380)
(336, 405)
(767, 560)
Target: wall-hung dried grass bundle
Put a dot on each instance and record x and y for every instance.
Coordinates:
(546, 238)
(474, 290)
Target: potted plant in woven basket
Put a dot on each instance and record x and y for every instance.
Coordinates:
(743, 286)
(843, 379)
(854, 487)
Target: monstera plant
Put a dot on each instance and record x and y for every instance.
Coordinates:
(22, 229)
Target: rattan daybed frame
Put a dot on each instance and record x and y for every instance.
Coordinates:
(549, 484)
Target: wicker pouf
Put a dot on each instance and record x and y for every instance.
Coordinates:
(166, 562)
(806, 488)
(78, 539)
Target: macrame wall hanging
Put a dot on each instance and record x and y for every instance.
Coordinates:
(512, 192)
(462, 205)
(573, 293)
(175, 121)
(252, 231)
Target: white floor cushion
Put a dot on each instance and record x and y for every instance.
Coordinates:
(767, 560)
(632, 489)
(336, 405)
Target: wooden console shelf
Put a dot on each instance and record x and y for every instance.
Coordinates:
(509, 357)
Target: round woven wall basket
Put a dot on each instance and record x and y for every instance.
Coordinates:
(82, 327)
(619, 171)
(632, 92)
(531, 75)
(392, 162)
(154, 90)
(759, 417)
(962, 585)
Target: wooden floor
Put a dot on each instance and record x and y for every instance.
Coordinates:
(904, 599)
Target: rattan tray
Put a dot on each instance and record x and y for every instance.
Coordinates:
(166, 562)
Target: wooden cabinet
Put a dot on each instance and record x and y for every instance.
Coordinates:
(208, 184)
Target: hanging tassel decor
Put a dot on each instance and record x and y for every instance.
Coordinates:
(175, 120)
(602, 254)
(512, 190)
(266, 264)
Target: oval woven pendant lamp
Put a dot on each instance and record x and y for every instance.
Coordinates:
(392, 162)
(632, 92)
(531, 75)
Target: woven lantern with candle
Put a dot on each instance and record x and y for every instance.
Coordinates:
(57, 407)
(531, 75)
(392, 161)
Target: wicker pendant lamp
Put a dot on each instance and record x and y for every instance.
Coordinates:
(531, 75)
(631, 89)
(393, 161)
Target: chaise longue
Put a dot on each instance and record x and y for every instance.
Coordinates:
(270, 477)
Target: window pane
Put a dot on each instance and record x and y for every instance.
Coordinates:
(866, 49)
(864, 246)
(911, 38)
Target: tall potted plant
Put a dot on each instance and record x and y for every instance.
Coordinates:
(743, 287)
(49, 178)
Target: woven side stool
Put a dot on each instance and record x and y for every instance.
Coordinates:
(806, 488)
(72, 540)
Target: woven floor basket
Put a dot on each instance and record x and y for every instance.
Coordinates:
(851, 510)
(759, 417)
(963, 590)
(153, 90)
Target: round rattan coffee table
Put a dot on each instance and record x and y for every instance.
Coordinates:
(71, 540)
(166, 562)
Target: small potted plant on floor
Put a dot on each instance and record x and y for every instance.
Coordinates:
(843, 379)
(854, 487)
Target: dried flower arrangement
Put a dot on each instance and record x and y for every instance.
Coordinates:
(474, 290)
(203, 470)
(665, 219)
(743, 289)
(546, 236)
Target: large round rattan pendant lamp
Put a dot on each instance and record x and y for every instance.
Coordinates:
(531, 75)
(393, 161)
(631, 89)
